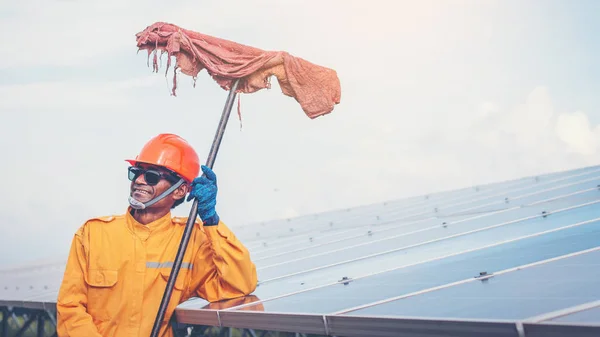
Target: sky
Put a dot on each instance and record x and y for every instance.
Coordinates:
(436, 95)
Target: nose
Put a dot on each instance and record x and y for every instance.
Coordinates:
(140, 180)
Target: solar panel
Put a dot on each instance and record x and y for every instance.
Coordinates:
(514, 258)
(516, 293)
(387, 242)
(467, 266)
(286, 234)
(32, 287)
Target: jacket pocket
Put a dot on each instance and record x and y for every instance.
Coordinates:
(165, 273)
(101, 293)
(102, 278)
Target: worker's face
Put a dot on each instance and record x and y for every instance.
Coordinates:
(146, 187)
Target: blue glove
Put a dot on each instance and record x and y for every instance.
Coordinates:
(204, 189)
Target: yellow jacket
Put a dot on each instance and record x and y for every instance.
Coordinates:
(117, 271)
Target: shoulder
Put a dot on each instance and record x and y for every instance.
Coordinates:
(107, 219)
(99, 222)
(182, 220)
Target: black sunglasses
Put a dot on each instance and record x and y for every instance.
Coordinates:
(152, 177)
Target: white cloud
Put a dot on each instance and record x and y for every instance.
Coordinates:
(467, 147)
(575, 130)
(488, 109)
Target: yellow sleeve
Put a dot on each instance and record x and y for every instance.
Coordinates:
(222, 268)
(72, 318)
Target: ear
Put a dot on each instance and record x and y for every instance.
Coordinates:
(181, 191)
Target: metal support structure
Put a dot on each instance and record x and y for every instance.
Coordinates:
(20, 322)
(207, 331)
(5, 318)
(41, 321)
(26, 326)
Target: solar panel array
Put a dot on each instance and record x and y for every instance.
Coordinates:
(517, 258)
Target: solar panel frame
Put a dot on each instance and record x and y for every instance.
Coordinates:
(560, 330)
(376, 326)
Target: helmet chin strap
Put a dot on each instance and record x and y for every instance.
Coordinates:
(140, 205)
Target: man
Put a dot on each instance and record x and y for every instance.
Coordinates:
(118, 266)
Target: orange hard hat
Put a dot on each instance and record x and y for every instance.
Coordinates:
(170, 151)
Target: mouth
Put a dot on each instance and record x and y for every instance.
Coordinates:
(139, 190)
(140, 193)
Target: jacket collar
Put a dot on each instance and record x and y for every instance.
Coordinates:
(143, 231)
